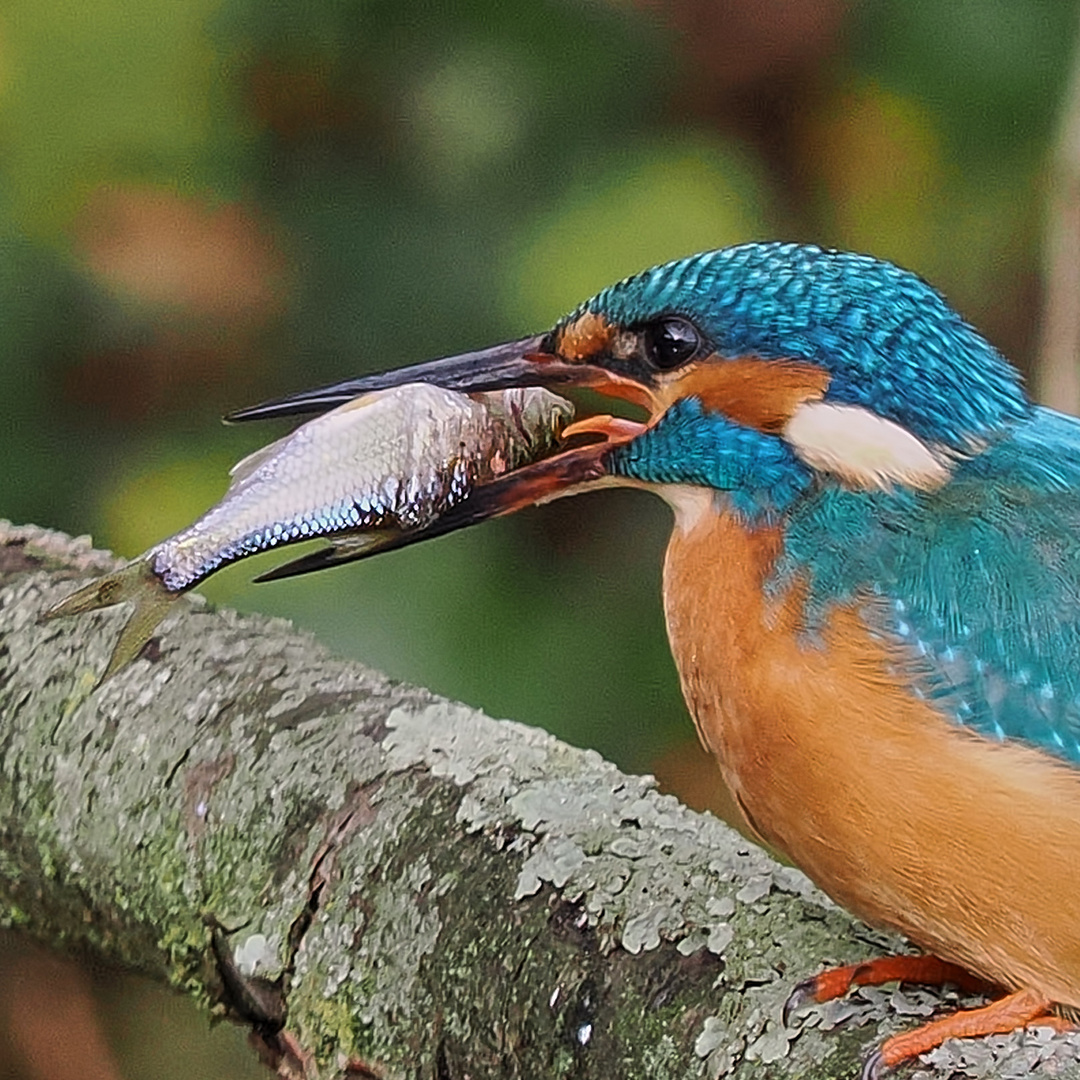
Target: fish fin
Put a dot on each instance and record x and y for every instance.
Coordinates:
(247, 465)
(135, 582)
(340, 551)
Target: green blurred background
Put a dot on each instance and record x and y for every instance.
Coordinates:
(204, 203)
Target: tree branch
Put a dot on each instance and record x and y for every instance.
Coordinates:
(381, 883)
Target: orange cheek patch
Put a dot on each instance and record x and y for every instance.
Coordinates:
(588, 335)
(762, 394)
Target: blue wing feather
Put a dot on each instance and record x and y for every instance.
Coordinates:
(979, 582)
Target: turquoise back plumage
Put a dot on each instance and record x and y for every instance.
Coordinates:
(978, 582)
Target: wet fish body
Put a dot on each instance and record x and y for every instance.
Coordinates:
(368, 471)
(394, 460)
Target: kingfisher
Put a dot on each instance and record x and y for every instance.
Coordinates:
(872, 592)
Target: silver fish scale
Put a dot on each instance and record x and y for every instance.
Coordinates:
(392, 460)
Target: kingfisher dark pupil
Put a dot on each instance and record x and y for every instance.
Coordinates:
(671, 342)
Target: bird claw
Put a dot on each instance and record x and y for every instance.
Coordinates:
(872, 1066)
(803, 994)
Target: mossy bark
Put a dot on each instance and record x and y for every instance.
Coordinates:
(383, 883)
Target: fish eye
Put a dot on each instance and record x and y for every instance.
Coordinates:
(671, 342)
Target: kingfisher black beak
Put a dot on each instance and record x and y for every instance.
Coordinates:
(525, 362)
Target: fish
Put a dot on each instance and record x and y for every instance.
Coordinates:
(365, 476)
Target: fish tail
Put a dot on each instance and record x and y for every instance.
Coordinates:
(135, 582)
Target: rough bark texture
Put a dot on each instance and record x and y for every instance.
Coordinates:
(382, 883)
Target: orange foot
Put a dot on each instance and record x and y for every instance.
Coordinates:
(1006, 1014)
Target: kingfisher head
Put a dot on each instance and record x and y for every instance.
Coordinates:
(764, 368)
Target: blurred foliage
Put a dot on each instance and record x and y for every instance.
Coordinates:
(204, 203)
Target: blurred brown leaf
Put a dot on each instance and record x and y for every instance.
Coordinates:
(196, 285)
(165, 250)
(734, 44)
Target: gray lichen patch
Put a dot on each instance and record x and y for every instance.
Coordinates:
(644, 871)
(632, 857)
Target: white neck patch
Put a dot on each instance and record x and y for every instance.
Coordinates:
(864, 450)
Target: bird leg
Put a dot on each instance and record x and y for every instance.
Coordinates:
(1016, 1010)
(927, 970)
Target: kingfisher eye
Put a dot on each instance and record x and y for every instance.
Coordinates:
(671, 342)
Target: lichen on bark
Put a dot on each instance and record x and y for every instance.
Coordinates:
(416, 889)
